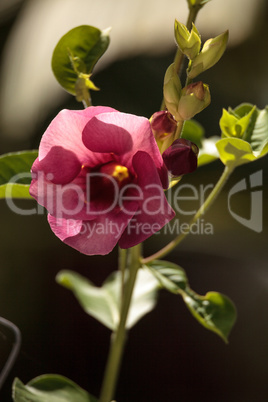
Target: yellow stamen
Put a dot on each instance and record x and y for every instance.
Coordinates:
(120, 173)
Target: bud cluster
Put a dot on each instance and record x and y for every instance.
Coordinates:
(190, 44)
(184, 103)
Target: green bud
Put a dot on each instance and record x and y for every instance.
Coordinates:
(234, 126)
(194, 98)
(188, 42)
(172, 90)
(211, 53)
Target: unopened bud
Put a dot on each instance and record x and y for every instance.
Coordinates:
(194, 98)
(163, 124)
(181, 157)
(172, 89)
(188, 42)
(210, 54)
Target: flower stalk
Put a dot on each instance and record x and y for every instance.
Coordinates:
(204, 208)
(119, 335)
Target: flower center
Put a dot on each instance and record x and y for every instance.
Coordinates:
(105, 181)
(117, 172)
(120, 173)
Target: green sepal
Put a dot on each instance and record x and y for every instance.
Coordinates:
(172, 90)
(193, 99)
(210, 54)
(188, 42)
(76, 54)
(214, 311)
(49, 388)
(15, 176)
(103, 303)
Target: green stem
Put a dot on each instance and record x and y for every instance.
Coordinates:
(119, 335)
(87, 101)
(210, 199)
(122, 267)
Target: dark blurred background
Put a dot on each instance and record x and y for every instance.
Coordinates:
(169, 356)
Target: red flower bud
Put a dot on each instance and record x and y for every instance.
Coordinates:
(163, 124)
(181, 157)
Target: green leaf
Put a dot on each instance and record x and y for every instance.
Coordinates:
(193, 131)
(103, 303)
(170, 276)
(76, 54)
(144, 297)
(99, 302)
(251, 125)
(234, 152)
(49, 388)
(15, 176)
(258, 138)
(234, 125)
(214, 311)
(208, 152)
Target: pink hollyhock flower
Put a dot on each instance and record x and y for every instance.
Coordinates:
(101, 176)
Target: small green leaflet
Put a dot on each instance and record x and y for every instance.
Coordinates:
(214, 311)
(252, 124)
(76, 54)
(15, 176)
(49, 388)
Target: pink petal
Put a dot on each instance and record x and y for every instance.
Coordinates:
(62, 201)
(64, 228)
(73, 200)
(154, 211)
(99, 136)
(99, 236)
(108, 132)
(66, 131)
(60, 164)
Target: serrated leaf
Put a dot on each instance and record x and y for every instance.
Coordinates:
(77, 52)
(103, 303)
(49, 388)
(214, 311)
(15, 176)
